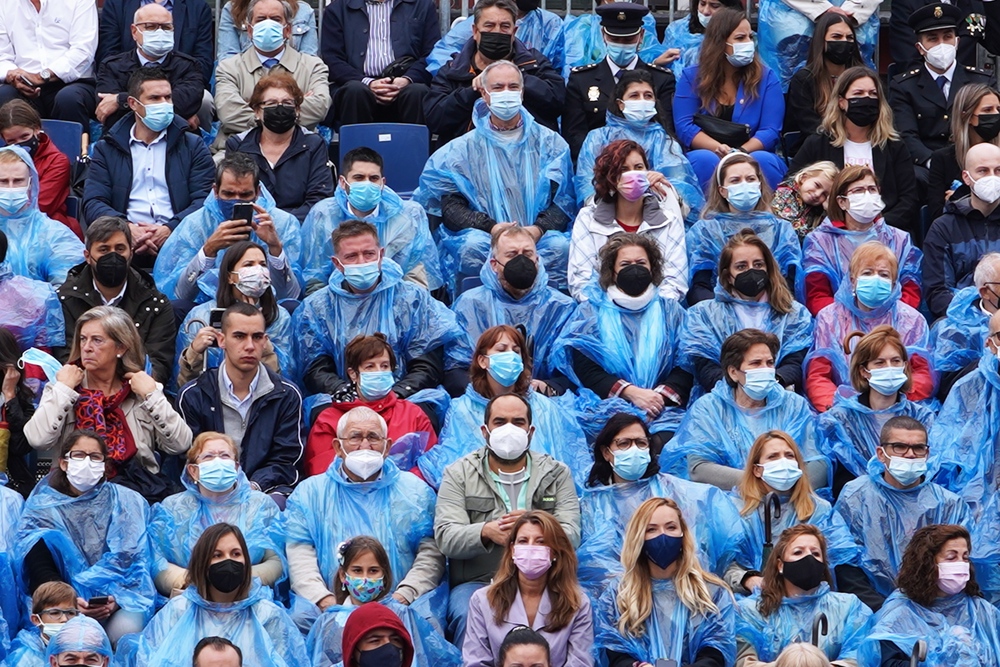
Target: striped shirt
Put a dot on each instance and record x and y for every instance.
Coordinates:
(379, 55)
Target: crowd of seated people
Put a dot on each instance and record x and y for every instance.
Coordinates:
(682, 350)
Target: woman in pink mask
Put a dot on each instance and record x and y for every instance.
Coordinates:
(628, 197)
(535, 586)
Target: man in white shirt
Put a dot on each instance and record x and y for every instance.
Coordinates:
(47, 56)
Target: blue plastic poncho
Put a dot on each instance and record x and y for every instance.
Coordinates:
(280, 333)
(708, 236)
(539, 29)
(958, 338)
(81, 633)
(663, 151)
(828, 250)
(671, 631)
(841, 549)
(678, 35)
(412, 321)
(718, 430)
(511, 181)
(850, 431)
(98, 539)
(606, 510)
(709, 323)
(844, 316)
(31, 310)
(192, 232)
(639, 346)
(960, 631)
(11, 590)
(557, 434)
(325, 640)
(965, 434)
(397, 509)
(176, 523)
(262, 629)
(543, 311)
(27, 650)
(986, 548)
(792, 621)
(37, 246)
(784, 36)
(584, 41)
(402, 230)
(882, 519)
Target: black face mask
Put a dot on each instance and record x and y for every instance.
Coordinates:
(111, 270)
(495, 45)
(386, 655)
(279, 119)
(527, 5)
(862, 111)
(807, 573)
(839, 53)
(752, 282)
(30, 145)
(634, 279)
(989, 126)
(226, 575)
(520, 272)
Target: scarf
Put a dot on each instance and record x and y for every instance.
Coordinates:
(98, 412)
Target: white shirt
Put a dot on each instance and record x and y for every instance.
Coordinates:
(62, 37)
(149, 198)
(614, 67)
(948, 74)
(242, 405)
(113, 301)
(858, 153)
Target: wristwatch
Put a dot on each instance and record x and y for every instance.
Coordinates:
(46, 75)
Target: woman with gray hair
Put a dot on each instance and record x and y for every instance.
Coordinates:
(105, 389)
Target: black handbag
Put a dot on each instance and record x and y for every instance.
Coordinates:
(724, 131)
(398, 67)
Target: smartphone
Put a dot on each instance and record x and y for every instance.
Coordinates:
(98, 601)
(26, 81)
(215, 321)
(243, 211)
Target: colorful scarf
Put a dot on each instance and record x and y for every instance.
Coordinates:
(99, 412)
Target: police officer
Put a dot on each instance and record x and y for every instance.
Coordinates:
(973, 27)
(921, 98)
(592, 87)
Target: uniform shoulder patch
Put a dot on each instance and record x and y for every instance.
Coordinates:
(584, 68)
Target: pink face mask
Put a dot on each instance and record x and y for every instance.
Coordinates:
(532, 560)
(953, 576)
(633, 185)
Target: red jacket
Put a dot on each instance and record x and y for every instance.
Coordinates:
(53, 183)
(401, 416)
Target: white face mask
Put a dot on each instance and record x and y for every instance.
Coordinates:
(639, 110)
(986, 188)
(865, 206)
(50, 630)
(941, 56)
(508, 442)
(703, 19)
(84, 475)
(363, 462)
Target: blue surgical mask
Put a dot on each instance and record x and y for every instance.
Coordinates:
(760, 382)
(743, 53)
(13, 200)
(782, 474)
(364, 196)
(268, 35)
(505, 104)
(887, 381)
(505, 367)
(362, 276)
(639, 110)
(663, 549)
(622, 54)
(157, 43)
(906, 471)
(376, 384)
(43, 360)
(158, 116)
(873, 291)
(217, 475)
(631, 464)
(743, 196)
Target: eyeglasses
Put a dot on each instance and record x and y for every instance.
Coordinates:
(626, 443)
(59, 614)
(871, 190)
(900, 449)
(271, 104)
(357, 438)
(150, 27)
(83, 456)
(211, 456)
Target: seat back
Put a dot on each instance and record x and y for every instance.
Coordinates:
(67, 136)
(403, 147)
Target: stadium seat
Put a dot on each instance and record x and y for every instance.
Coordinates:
(404, 148)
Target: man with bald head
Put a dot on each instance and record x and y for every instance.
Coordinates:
(153, 32)
(968, 229)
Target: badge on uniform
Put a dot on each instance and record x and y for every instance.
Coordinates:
(937, 12)
(975, 24)
(593, 93)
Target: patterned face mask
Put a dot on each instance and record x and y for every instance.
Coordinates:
(363, 589)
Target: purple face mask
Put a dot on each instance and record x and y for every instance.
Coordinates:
(532, 560)
(633, 185)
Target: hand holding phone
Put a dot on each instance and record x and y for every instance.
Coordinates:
(97, 601)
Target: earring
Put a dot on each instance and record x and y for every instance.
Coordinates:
(119, 356)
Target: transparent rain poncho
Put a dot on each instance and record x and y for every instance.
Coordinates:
(11, 588)
(32, 311)
(539, 29)
(707, 238)
(80, 634)
(958, 338)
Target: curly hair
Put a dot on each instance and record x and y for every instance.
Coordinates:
(918, 572)
(609, 255)
(610, 164)
(773, 589)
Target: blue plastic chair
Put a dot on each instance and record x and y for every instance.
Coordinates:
(466, 283)
(73, 207)
(404, 148)
(67, 136)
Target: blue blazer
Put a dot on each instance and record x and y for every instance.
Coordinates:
(764, 114)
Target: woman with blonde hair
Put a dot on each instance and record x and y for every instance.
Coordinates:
(857, 129)
(665, 606)
(801, 654)
(535, 586)
(796, 589)
(870, 298)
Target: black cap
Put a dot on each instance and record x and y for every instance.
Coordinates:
(935, 17)
(622, 19)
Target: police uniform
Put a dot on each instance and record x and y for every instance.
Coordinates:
(922, 113)
(973, 28)
(592, 87)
